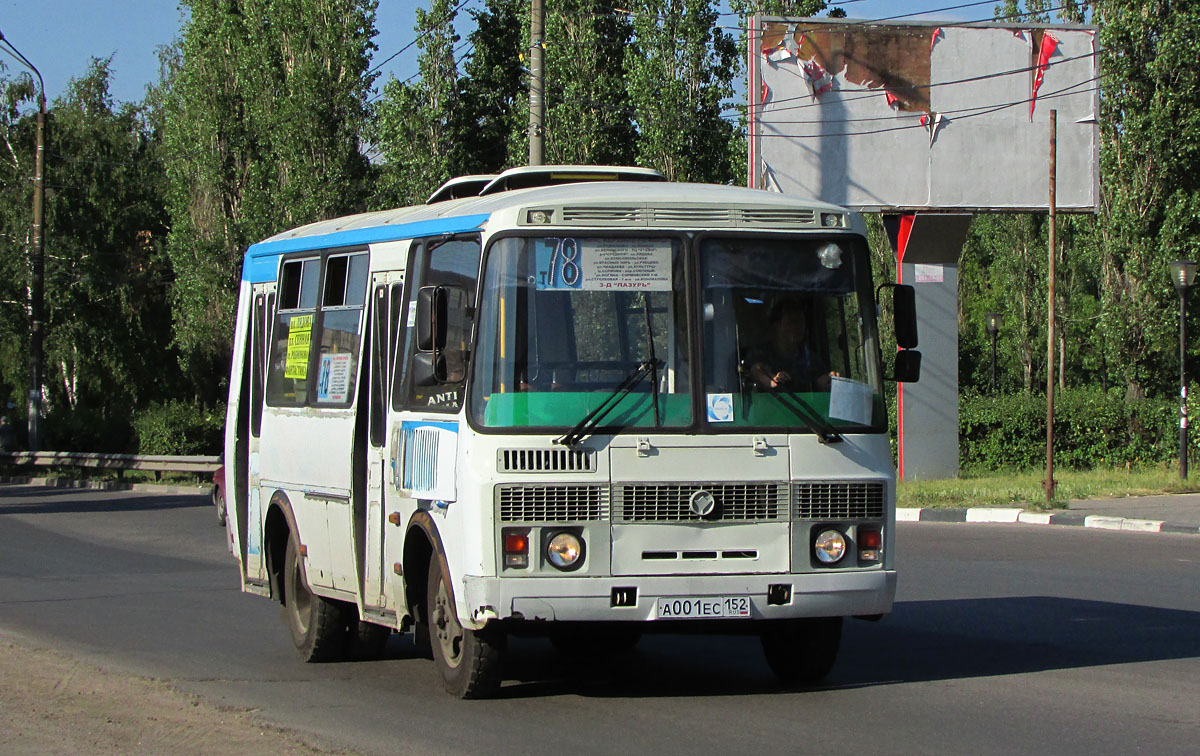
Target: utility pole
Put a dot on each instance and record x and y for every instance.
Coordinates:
(1049, 484)
(537, 83)
(37, 305)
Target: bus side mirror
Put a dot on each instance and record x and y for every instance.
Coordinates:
(908, 366)
(431, 318)
(428, 369)
(904, 309)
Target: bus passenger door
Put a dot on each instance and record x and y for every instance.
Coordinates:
(250, 521)
(374, 591)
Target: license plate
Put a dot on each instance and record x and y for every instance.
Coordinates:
(706, 607)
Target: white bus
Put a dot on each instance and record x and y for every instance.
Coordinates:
(572, 401)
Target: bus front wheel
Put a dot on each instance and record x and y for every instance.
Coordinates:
(802, 651)
(469, 660)
(317, 624)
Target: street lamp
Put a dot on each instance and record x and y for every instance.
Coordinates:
(37, 305)
(1183, 275)
(993, 328)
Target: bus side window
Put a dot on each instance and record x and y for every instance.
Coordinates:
(379, 360)
(453, 264)
(340, 334)
(288, 378)
(262, 311)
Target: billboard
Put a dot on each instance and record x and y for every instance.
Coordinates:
(924, 116)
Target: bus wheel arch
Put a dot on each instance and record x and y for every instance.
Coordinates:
(278, 529)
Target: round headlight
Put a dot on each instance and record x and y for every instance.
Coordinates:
(830, 546)
(564, 550)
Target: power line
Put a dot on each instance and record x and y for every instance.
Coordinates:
(867, 92)
(450, 15)
(986, 110)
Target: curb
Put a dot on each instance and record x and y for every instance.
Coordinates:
(108, 485)
(1012, 515)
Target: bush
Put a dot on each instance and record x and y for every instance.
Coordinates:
(84, 429)
(1091, 429)
(179, 428)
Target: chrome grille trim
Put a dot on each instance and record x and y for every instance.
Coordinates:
(668, 502)
(839, 500)
(545, 460)
(552, 503)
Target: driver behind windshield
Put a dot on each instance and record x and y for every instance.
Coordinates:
(788, 361)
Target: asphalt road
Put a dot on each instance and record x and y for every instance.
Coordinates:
(1005, 639)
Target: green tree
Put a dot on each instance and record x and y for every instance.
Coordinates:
(492, 113)
(413, 125)
(106, 278)
(16, 192)
(589, 115)
(679, 74)
(263, 126)
(1150, 182)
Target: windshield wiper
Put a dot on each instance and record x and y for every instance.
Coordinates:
(593, 418)
(653, 358)
(826, 433)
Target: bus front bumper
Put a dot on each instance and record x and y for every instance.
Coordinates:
(836, 593)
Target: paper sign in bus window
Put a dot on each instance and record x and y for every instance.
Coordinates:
(850, 400)
(603, 264)
(299, 339)
(333, 382)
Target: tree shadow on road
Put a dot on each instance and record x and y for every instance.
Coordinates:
(39, 500)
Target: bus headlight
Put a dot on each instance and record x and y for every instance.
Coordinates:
(829, 546)
(564, 550)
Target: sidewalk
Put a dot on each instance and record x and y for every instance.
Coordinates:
(1172, 513)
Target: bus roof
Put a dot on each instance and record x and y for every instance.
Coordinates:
(470, 214)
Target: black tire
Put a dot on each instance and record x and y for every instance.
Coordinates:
(219, 501)
(317, 625)
(802, 651)
(469, 660)
(365, 641)
(587, 640)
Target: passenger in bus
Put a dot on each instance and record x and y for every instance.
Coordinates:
(788, 362)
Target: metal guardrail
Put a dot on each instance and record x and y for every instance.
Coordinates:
(157, 464)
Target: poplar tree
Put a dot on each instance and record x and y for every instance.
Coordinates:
(413, 128)
(679, 74)
(263, 125)
(589, 116)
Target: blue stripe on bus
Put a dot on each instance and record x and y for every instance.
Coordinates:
(261, 262)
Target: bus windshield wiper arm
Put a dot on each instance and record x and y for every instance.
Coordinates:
(593, 418)
(653, 357)
(826, 433)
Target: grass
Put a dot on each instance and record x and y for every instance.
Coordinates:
(1024, 489)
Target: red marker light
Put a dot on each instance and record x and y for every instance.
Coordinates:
(516, 543)
(516, 547)
(870, 539)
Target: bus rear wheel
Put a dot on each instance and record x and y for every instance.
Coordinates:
(317, 624)
(469, 660)
(802, 651)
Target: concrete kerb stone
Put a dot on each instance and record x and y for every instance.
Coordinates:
(1012, 515)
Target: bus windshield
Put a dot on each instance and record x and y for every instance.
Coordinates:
(565, 321)
(789, 334)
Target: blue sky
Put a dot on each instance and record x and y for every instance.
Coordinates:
(61, 36)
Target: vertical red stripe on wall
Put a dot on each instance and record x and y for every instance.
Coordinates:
(906, 224)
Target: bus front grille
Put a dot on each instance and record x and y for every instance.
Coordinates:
(671, 502)
(545, 460)
(839, 500)
(552, 503)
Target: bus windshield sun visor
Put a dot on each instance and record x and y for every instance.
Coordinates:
(593, 418)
